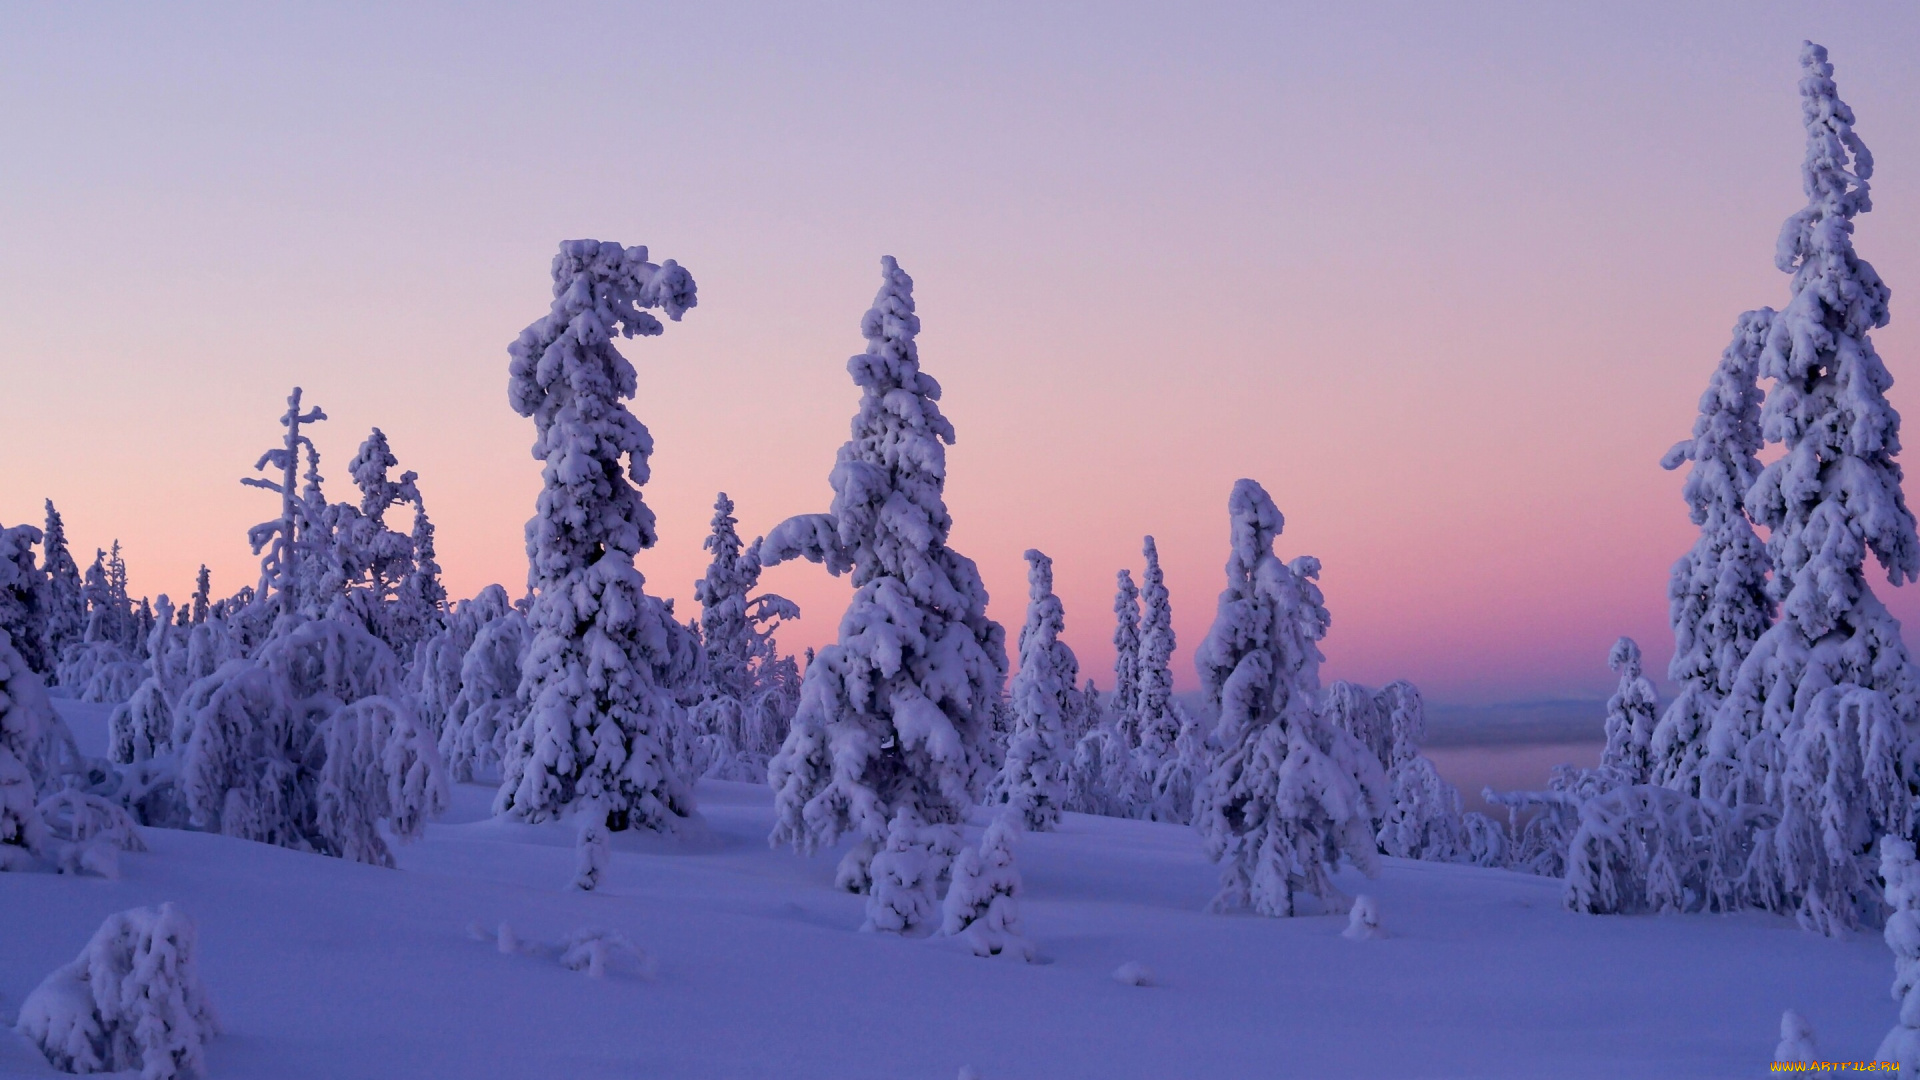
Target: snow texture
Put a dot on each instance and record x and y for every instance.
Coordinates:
(598, 717)
(895, 714)
(132, 1000)
(1288, 790)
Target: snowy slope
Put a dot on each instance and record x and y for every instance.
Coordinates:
(323, 968)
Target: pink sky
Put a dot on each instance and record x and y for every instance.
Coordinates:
(1448, 285)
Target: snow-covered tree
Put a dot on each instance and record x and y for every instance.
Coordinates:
(1717, 594)
(142, 726)
(279, 541)
(1126, 659)
(743, 699)
(1100, 759)
(598, 716)
(1425, 819)
(132, 1000)
(202, 596)
(1833, 668)
(1177, 778)
(1632, 712)
(1032, 782)
(1901, 873)
(1158, 714)
(1288, 790)
(895, 715)
(66, 608)
(25, 599)
(983, 903)
(487, 708)
(26, 719)
(311, 744)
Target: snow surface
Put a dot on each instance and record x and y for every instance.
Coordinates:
(325, 968)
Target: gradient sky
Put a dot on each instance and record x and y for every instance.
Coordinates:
(1447, 279)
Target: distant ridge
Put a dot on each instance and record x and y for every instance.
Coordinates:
(1555, 721)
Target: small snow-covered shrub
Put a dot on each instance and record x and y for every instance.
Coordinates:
(593, 951)
(113, 682)
(88, 832)
(1133, 973)
(1363, 920)
(1796, 1039)
(906, 874)
(1485, 840)
(132, 1000)
(983, 903)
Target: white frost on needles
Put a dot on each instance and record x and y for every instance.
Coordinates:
(599, 720)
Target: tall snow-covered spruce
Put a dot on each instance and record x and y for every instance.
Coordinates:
(894, 717)
(1817, 722)
(1033, 780)
(597, 720)
(1288, 789)
(1126, 658)
(1717, 595)
(744, 703)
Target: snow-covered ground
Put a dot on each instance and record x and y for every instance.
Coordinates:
(329, 969)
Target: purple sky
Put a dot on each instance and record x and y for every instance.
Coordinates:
(1446, 279)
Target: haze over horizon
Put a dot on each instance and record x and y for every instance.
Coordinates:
(1448, 285)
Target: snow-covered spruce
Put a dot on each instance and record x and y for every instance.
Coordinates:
(1125, 705)
(1717, 594)
(312, 745)
(1098, 756)
(597, 717)
(1901, 873)
(24, 597)
(1632, 712)
(983, 903)
(434, 676)
(1033, 780)
(893, 716)
(132, 1000)
(66, 609)
(26, 720)
(1177, 778)
(1360, 712)
(1828, 692)
(1157, 717)
(1288, 790)
(906, 872)
(744, 708)
(141, 727)
(486, 709)
(1424, 820)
